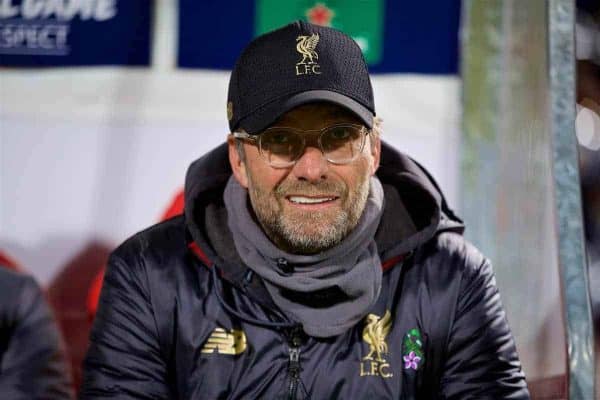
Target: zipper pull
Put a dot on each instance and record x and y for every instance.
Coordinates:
(294, 359)
(294, 372)
(295, 340)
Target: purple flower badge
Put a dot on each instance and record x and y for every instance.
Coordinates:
(411, 361)
(412, 348)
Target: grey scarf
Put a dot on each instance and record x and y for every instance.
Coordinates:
(349, 274)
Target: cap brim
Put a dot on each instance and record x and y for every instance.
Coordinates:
(265, 116)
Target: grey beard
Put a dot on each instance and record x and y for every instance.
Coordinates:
(289, 232)
(291, 235)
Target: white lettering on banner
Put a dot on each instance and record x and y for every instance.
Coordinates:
(45, 39)
(54, 8)
(31, 8)
(7, 10)
(63, 10)
(105, 10)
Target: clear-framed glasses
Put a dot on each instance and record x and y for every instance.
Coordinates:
(281, 147)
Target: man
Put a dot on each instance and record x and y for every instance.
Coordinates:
(32, 360)
(313, 261)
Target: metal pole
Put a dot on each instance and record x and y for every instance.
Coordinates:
(567, 197)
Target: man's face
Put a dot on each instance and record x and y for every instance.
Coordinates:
(312, 205)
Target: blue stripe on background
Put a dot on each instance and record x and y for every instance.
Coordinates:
(122, 40)
(212, 33)
(419, 37)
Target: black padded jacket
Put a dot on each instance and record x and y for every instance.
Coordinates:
(32, 356)
(181, 317)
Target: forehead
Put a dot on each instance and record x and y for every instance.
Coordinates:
(316, 116)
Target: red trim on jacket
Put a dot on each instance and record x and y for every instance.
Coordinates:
(392, 261)
(200, 254)
(204, 258)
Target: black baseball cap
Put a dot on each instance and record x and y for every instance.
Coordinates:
(294, 65)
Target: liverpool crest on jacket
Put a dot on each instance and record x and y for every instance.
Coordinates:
(374, 334)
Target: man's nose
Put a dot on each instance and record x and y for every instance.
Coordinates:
(311, 166)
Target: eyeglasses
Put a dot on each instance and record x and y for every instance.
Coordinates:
(281, 147)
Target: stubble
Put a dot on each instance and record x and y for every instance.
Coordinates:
(305, 232)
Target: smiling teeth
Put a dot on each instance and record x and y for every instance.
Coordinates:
(310, 200)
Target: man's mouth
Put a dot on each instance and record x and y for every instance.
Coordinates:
(311, 200)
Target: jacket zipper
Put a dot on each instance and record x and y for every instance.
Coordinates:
(294, 365)
(294, 372)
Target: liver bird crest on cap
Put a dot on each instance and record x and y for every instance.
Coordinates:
(306, 46)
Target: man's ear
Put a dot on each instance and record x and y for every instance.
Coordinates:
(375, 147)
(238, 166)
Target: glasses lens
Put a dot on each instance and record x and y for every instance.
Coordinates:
(281, 147)
(342, 144)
